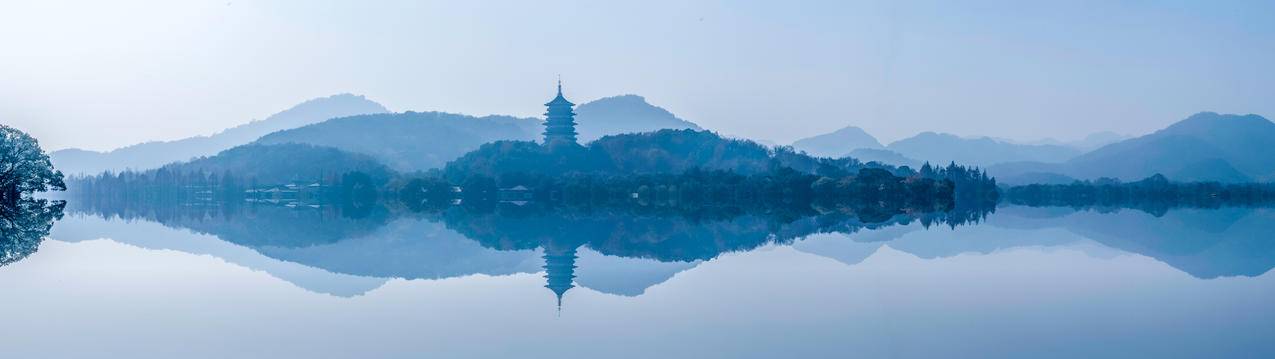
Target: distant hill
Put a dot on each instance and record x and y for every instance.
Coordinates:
(664, 151)
(1090, 142)
(884, 156)
(154, 154)
(624, 114)
(943, 148)
(659, 152)
(1096, 140)
(410, 141)
(1204, 147)
(1034, 178)
(282, 163)
(837, 143)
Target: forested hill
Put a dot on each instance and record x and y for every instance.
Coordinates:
(409, 141)
(418, 141)
(665, 151)
(678, 151)
(252, 165)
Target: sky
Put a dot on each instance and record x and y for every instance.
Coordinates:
(101, 75)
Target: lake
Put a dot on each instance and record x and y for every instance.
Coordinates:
(312, 282)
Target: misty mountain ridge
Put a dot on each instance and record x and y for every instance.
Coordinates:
(409, 141)
(624, 114)
(418, 141)
(158, 153)
(837, 143)
(884, 156)
(1189, 148)
(1090, 142)
(1206, 146)
(943, 148)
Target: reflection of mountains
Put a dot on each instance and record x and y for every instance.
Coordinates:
(632, 251)
(1206, 243)
(661, 237)
(622, 252)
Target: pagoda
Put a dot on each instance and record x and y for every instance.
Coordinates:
(560, 124)
(560, 267)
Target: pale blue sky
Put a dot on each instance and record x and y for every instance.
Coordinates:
(100, 75)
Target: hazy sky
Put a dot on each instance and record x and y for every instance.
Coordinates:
(103, 74)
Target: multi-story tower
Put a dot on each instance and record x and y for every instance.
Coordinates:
(560, 268)
(560, 124)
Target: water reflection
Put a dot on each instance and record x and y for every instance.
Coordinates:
(625, 250)
(1206, 243)
(635, 246)
(658, 281)
(23, 225)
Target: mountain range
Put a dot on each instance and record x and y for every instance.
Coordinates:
(982, 151)
(158, 153)
(408, 141)
(1203, 147)
(942, 148)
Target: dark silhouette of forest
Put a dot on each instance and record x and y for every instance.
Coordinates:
(677, 152)
(685, 165)
(1155, 194)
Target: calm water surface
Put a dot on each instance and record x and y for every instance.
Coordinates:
(1024, 282)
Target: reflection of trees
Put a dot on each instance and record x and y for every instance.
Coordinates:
(24, 170)
(23, 225)
(660, 228)
(679, 235)
(254, 225)
(663, 230)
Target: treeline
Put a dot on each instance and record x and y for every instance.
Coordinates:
(166, 185)
(669, 167)
(1155, 194)
(673, 152)
(780, 189)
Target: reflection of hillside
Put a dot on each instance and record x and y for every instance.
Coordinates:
(151, 235)
(623, 250)
(409, 248)
(662, 237)
(668, 241)
(251, 225)
(625, 276)
(373, 245)
(1206, 243)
